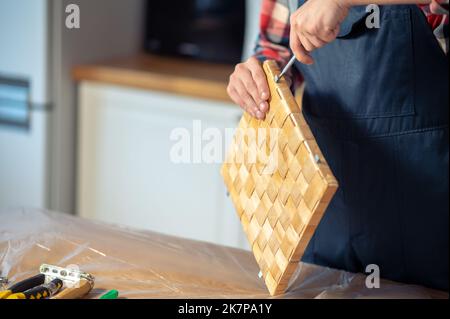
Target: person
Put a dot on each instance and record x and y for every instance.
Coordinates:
(376, 99)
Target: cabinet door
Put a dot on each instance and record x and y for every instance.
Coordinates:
(126, 174)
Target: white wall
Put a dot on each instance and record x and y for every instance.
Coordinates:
(23, 53)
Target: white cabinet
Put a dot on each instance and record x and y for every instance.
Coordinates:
(126, 175)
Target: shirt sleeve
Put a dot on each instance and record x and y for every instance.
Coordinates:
(439, 7)
(437, 16)
(273, 38)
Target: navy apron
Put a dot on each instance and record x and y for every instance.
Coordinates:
(377, 102)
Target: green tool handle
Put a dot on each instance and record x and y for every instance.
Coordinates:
(112, 294)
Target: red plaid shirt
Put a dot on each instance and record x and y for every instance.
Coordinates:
(273, 41)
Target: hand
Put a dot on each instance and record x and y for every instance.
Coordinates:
(315, 24)
(249, 89)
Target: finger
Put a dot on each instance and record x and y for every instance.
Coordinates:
(239, 101)
(260, 79)
(335, 32)
(235, 96)
(304, 39)
(247, 79)
(299, 51)
(316, 41)
(231, 91)
(260, 115)
(329, 35)
(264, 107)
(248, 101)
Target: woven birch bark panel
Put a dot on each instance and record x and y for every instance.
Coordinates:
(279, 182)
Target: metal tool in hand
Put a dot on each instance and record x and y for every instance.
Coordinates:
(286, 68)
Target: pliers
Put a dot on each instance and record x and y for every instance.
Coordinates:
(41, 291)
(23, 286)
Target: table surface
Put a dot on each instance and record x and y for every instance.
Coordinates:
(173, 75)
(143, 264)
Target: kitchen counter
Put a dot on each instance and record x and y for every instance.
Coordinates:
(151, 72)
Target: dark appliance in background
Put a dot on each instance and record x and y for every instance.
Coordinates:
(209, 30)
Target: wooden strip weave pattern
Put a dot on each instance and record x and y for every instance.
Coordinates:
(279, 182)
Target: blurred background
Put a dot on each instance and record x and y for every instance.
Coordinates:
(86, 112)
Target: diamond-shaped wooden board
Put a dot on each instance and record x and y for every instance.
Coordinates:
(279, 182)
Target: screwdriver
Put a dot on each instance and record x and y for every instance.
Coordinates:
(286, 68)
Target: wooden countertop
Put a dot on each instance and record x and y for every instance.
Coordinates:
(172, 75)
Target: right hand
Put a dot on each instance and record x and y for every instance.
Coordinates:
(248, 88)
(315, 24)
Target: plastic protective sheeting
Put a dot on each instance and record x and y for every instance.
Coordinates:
(143, 264)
